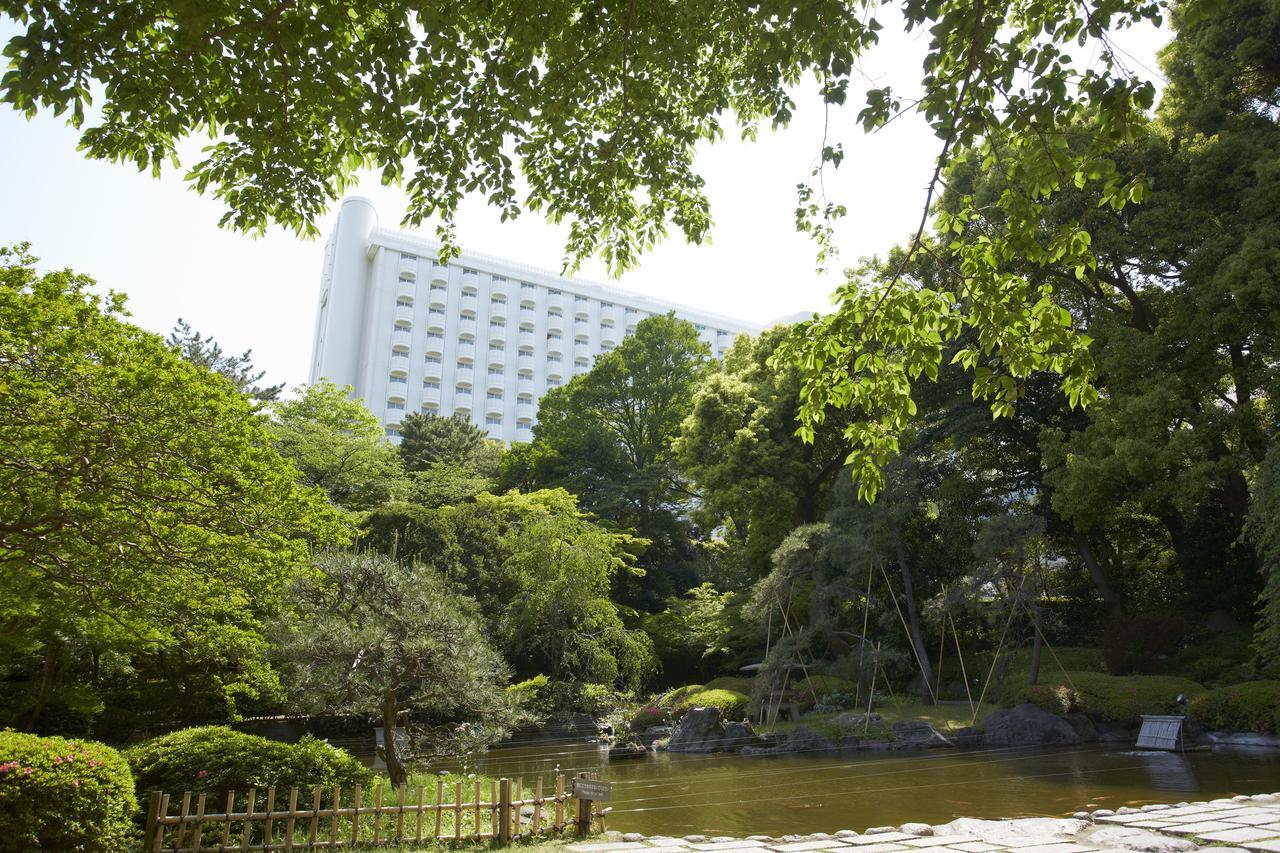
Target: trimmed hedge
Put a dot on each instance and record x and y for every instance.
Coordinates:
(1250, 707)
(729, 682)
(58, 794)
(732, 704)
(676, 697)
(1113, 698)
(216, 759)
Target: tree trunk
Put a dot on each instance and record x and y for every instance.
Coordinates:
(390, 749)
(48, 671)
(913, 620)
(1097, 575)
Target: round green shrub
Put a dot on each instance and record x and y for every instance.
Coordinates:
(732, 704)
(1250, 707)
(58, 794)
(675, 698)
(216, 759)
(650, 715)
(1113, 698)
(729, 682)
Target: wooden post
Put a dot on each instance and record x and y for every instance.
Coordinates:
(504, 811)
(289, 822)
(559, 824)
(421, 796)
(439, 805)
(584, 813)
(400, 815)
(248, 820)
(355, 817)
(195, 839)
(377, 813)
(226, 819)
(153, 812)
(164, 812)
(478, 798)
(457, 812)
(268, 831)
(183, 811)
(333, 820)
(537, 806)
(315, 818)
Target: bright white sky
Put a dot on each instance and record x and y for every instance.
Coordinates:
(158, 242)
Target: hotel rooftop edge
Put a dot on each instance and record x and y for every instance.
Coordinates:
(481, 336)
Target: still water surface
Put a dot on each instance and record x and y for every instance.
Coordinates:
(731, 795)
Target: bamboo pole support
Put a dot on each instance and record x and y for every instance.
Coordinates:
(333, 819)
(268, 829)
(537, 806)
(355, 817)
(183, 811)
(315, 817)
(226, 821)
(559, 825)
(400, 816)
(457, 812)
(477, 814)
(504, 811)
(417, 835)
(439, 805)
(199, 831)
(377, 813)
(248, 820)
(289, 822)
(163, 813)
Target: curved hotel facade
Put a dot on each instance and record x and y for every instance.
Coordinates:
(480, 337)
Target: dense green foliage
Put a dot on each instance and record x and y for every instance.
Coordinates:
(58, 794)
(148, 528)
(374, 637)
(1250, 707)
(215, 759)
(1115, 699)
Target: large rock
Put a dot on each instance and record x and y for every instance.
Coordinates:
(737, 735)
(1021, 832)
(655, 733)
(807, 741)
(1027, 725)
(1132, 838)
(916, 734)
(700, 730)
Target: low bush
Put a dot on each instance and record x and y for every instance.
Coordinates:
(217, 759)
(676, 697)
(1250, 707)
(729, 682)
(1113, 698)
(732, 704)
(58, 794)
(650, 715)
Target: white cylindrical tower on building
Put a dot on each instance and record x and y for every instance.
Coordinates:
(344, 289)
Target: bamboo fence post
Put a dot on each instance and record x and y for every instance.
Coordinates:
(315, 818)
(248, 820)
(504, 811)
(493, 807)
(559, 824)
(400, 815)
(477, 818)
(377, 813)
(600, 815)
(289, 822)
(153, 807)
(333, 819)
(417, 836)
(517, 816)
(457, 812)
(226, 819)
(195, 839)
(355, 817)
(439, 805)
(160, 815)
(583, 816)
(268, 826)
(537, 806)
(183, 811)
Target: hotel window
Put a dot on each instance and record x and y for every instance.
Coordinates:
(399, 380)
(554, 292)
(493, 420)
(494, 395)
(497, 324)
(606, 304)
(466, 271)
(553, 383)
(524, 285)
(555, 336)
(553, 359)
(431, 383)
(435, 336)
(496, 371)
(462, 364)
(436, 312)
(404, 302)
(496, 349)
(432, 359)
(392, 432)
(397, 406)
(405, 257)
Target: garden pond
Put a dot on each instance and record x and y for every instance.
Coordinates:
(726, 794)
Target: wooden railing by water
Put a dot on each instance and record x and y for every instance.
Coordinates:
(405, 814)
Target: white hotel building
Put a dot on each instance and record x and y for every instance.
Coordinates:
(480, 337)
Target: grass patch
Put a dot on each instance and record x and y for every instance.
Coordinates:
(944, 717)
(1113, 698)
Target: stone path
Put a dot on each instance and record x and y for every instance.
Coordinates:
(1236, 824)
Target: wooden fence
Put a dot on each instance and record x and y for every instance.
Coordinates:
(410, 816)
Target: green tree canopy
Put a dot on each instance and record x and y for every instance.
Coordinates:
(338, 446)
(608, 437)
(206, 352)
(428, 440)
(142, 505)
(370, 635)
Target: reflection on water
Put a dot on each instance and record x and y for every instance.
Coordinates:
(730, 795)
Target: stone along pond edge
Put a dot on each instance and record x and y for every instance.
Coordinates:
(1241, 823)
